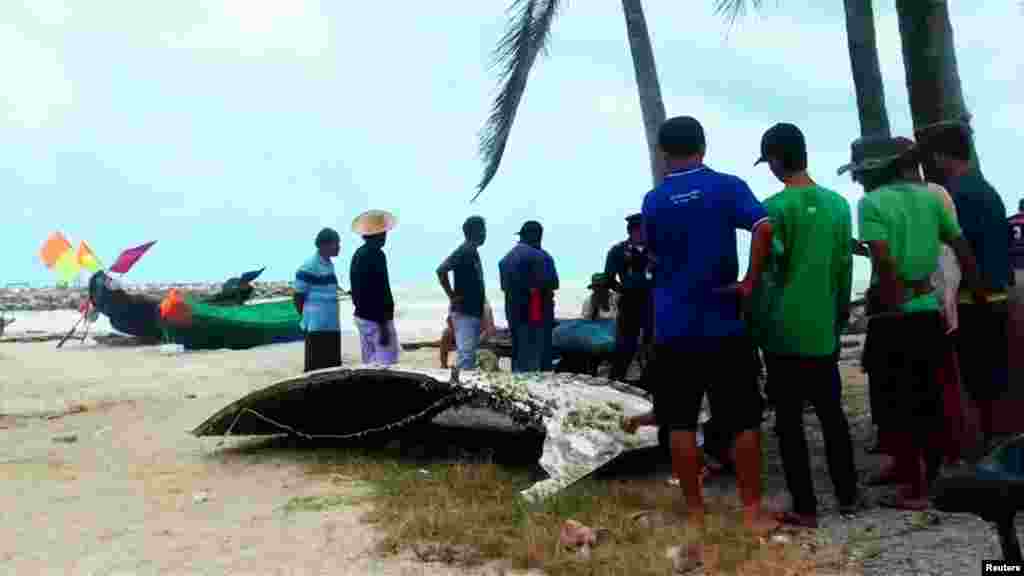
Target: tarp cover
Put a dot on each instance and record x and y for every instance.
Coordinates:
(590, 336)
(580, 415)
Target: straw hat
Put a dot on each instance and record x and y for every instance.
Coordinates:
(373, 222)
(875, 152)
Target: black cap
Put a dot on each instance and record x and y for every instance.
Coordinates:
(681, 136)
(634, 219)
(1020, 206)
(326, 236)
(781, 140)
(531, 230)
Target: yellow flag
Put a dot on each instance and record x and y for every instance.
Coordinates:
(67, 267)
(87, 258)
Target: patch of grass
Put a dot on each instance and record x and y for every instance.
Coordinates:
(318, 503)
(460, 506)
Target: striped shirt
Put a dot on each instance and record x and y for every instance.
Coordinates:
(317, 281)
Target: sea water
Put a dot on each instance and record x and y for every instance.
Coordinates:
(420, 312)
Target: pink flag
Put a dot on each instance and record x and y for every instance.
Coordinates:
(129, 257)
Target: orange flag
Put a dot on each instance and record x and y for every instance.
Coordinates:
(55, 246)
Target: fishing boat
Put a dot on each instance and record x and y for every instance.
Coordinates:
(132, 314)
(199, 325)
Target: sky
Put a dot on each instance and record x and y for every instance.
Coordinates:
(231, 131)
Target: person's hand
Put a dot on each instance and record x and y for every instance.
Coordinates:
(385, 335)
(630, 424)
(979, 296)
(742, 289)
(891, 293)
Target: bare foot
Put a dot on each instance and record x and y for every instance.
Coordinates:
(760, 524)
(688, 558)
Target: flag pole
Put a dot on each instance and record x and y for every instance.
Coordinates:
(72, 331)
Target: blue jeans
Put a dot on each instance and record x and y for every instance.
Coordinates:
(467, 340)
(527, 348)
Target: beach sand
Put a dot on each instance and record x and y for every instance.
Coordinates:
(135, 493)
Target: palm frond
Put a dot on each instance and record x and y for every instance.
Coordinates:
(732, 10)
(527, 35)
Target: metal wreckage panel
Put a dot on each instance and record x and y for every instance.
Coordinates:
(579, 415)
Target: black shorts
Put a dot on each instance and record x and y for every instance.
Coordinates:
(681, 372)
(903, 362)
(982, 346)
(323, 350)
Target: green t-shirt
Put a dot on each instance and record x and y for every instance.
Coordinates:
(803, 296)
(914, 223)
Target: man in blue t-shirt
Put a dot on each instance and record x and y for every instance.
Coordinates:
(690, 222)
(529, 271)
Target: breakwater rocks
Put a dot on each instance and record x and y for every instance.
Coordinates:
(20, 298)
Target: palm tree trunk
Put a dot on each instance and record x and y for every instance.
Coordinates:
(867, 74)
(651, 105)
(929, 57)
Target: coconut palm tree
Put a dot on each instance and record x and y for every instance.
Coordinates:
(933, 80)
(527, 36)
(863, 47)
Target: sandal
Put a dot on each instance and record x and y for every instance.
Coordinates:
(791, 518)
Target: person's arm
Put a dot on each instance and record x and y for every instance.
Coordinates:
(442, 273)
(357, 279)
(750, 214)
(844, 268)
(951, 234)
(503, 273)
(760, 247)
(631, 423)
(891, 291)
(387, 300)
(613, 267)
(647, 221)
(859, 248)
(549, 263)
(301, 289)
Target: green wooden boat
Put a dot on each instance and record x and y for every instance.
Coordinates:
(212, 327)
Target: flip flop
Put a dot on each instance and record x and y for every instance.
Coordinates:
(791, 518)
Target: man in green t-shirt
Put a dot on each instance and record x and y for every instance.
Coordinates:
(904, 224)
(803, 305)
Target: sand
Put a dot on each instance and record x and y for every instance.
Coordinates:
(134, 493)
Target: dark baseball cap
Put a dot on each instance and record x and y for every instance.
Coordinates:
(781, 140)
(531, 229)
